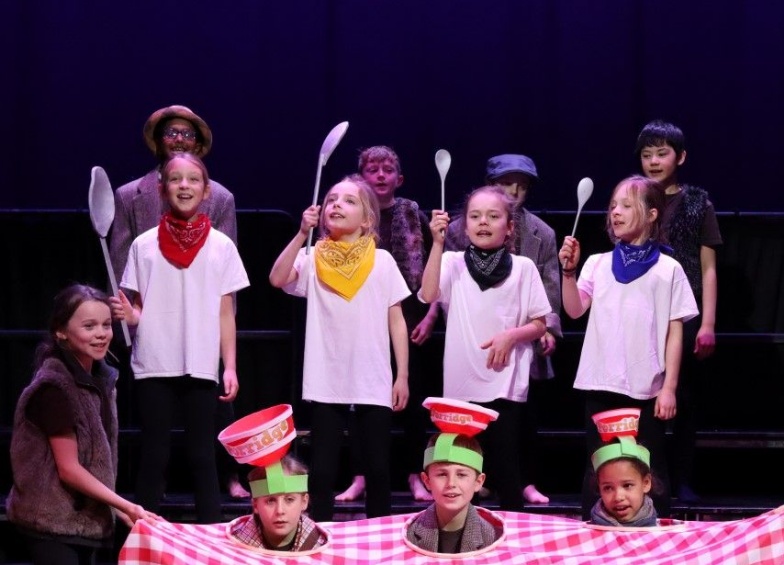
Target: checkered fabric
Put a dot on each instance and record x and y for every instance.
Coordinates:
(529, 539)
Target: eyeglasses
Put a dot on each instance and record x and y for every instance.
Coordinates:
(172, 133)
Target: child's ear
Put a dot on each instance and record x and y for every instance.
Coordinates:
(425, 479)
(207, 191)
(400, 179)
(682, 158)
(480, 480)
(647, 483)
(305, 501)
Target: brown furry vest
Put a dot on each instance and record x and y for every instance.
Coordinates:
(38, 500)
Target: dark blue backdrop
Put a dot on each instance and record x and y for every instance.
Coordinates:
(570, 82)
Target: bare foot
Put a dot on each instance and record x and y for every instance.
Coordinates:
(533, 496)
(418, 490)
(236, 490)
(354, 491)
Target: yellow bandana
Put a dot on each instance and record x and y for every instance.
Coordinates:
(344, 267)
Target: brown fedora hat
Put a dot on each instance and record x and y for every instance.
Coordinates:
(185, 113)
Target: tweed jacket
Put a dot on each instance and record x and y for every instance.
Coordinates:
(478, 533)
(139, 207)
(536, 240)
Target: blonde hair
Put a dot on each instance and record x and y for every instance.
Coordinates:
(646, 195)
(369, 206)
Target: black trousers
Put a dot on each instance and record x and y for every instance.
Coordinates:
(156, 401)
(54, 552)
(500, 443)
(684, 425)
(373, 430)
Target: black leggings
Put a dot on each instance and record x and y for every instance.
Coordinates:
(684, 426)
(502, 458)
(373, 427)
(54, 552)
(157, 398)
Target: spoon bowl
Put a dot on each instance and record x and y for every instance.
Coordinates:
(584, 191)
(443, 162)
(100, 199)
(327, 147)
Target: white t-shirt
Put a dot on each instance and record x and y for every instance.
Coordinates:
(475, 316)
(179, 329)
(347, 358)
(623, 351)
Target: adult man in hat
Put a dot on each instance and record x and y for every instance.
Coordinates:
(138, 204)
(139, 207)
(534, 239)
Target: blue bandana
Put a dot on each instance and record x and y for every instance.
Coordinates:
(630, 262)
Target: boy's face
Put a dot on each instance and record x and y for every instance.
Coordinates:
(184, 188)
(623, 489)
(516, 185)
(660, 163)
(383, 178)
(178, 136)
(452, 485)
(279, 515)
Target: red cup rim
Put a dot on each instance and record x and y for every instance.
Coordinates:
(433, 402)
(248, 426)
(608, 414)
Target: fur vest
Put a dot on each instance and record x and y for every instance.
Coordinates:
(683, 233)
(406, 243)
(38, 500)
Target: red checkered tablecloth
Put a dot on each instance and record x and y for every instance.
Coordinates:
(530, 539)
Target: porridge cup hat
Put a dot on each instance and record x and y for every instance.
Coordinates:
(618, 428)
(262, 439)
(453, 418)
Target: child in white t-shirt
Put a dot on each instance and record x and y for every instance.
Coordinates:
(182, 274)
(639, 298)
(496, 304)
(354, 293)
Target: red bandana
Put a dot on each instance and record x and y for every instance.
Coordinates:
(180, 241)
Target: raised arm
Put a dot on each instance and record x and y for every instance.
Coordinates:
(283, 271)
(575, 302)
(431, 278)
